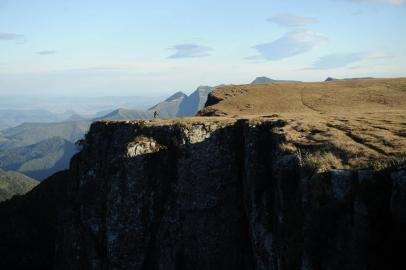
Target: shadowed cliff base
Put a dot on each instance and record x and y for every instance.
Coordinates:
(204, 193)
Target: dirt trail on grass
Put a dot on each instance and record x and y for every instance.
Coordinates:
(361, 123)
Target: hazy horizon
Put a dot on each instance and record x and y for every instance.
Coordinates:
(153, 49)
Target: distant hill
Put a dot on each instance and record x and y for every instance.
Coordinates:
(13, 183)
(76, 118)
(32, 133)
(330, 79)
(266, 80)
(14, 117)
(84, 105)
(39, 160)
(40, 149)
(126, 114)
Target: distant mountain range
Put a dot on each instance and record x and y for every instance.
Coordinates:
(166, 109)
(13, 183)
(12, 118)
(40, 149)
(83, 105)
(177, 105)
(31, 133)
(126, 114)
(39, 160)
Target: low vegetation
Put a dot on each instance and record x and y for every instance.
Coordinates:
(340, 124)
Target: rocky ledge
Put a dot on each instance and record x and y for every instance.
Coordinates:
(204, 193)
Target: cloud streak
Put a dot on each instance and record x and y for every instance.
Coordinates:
(190, 51)
(291, 44)
(338, 60)
(47, 52)
(10, 36)
(288, 20)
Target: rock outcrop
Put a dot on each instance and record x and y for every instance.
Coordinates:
(204, 193)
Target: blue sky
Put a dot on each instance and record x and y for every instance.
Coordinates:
(153, 48)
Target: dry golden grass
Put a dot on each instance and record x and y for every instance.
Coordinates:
(318, 161)
(364, 140)
(323, 97)
(340, 124)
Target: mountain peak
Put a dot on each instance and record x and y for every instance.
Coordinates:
(204, 88)
(266, 80)
(176, 96)
(262, 80)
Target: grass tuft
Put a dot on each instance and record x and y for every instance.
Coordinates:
(319, 161)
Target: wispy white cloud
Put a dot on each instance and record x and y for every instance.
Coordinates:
(11, 36)
(378, 54)
(47, 52)
(289, 20)
(190, 51)
(338, 60)
(292, 43)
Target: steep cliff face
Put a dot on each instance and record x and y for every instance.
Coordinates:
(153, 196)
(204, 194)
